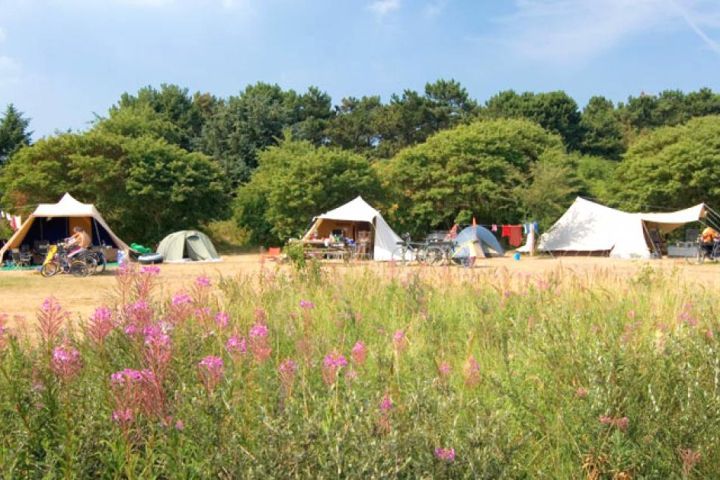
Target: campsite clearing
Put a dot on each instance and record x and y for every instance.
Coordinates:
(22, 292)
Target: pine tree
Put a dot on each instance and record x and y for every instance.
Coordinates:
(14, 133)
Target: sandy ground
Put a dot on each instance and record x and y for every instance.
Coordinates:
(22, 292)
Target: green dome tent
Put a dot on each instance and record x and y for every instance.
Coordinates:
(187, 245)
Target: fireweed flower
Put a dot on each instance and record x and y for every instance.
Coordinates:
(581, 392)
(359, 353)
(386, 404)
(139, 391)
(181, 300)
(399, 340)
(306, 304)
(158, 348)
(444, 370)
(471, 371)
(179, 425)
(139, 313)
(150, 270)
(259, 345)
(211, 371)
(100, 324)
(202, 282)
(236, 345)
(123, 417)
(50, 319)
(332, 363)
(287, 370)
(222, 319)
(65, 362)
(445, 454)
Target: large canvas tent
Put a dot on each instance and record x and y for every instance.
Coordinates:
(356, 218)
(591, 228)
(187, 245)
(52, 222)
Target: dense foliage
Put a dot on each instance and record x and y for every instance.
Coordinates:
(294, 182)
(603, 149)
(369, 375)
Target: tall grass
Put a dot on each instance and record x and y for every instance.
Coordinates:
(366, 373)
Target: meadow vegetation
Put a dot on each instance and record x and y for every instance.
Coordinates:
(367, 373)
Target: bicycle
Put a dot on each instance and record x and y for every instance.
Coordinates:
(404, 252)
(701, 253)
(57, 261)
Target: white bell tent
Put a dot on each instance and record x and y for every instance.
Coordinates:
(356, 219)
(591, 228)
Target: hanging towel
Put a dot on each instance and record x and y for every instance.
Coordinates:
(505, 231)
(18, 221)
(494, 228)
(515, 234)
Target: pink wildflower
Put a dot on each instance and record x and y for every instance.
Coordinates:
(287, 370)
(399, 340)
(131, 330)
(622, 423)
(150, 270)
(306, 304)
(211, 371)
(181, 299)
(259, 345)
(581, 392)
(202, 282)
(66, 362)
(445, 454)
(50, 319)
(123, 416)
(359, 353)
(471, 371)
(179, 425)
(386, 404)
(689, 458)
(332, 363)
(222, 319)
(236, 345)
(100, 325)
(140, 313)
(259, 330)
(444, 370)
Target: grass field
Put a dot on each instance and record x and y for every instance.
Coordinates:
(584, 368)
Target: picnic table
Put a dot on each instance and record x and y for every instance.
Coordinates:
(322, 249)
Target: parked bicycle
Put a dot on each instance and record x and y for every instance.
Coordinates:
(58, 261)
(705, 252)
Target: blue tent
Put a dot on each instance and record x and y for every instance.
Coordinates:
(479, 236)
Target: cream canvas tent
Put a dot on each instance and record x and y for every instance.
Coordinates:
(53, 222)
(591, 228)
(357, 219)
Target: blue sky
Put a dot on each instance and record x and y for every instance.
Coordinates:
(61, 61)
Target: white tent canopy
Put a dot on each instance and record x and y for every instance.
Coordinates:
(358, 210)
(69, 208)
(590, 227)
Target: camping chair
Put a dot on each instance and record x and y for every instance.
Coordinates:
(21, 259)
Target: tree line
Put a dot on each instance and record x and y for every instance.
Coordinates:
(268, 159)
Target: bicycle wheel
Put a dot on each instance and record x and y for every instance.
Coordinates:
(50, 269)
(79, 268)
(435, 256)
(421, 255)
(401, 254)
(101, 263)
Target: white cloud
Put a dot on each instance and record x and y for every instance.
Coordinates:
(573, 30)
(383, 7)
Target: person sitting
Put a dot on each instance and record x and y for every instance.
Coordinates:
(708, 237)
(79, 241)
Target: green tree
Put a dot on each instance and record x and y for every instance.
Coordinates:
(671, 167)
(172, 103)
(355, 125)
(144, 186)
(602, 131)
(556, 112)
(14, 133)
(295, 181)
(255, 120)
(471, 170)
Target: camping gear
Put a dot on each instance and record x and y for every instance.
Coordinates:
(486, 240)
(141, 249)
(150, 259)
(53, 222)
(590, 228)
(354, 217)
(187, 245)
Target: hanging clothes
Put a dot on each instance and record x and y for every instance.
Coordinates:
(494, 228)
(513, 233)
